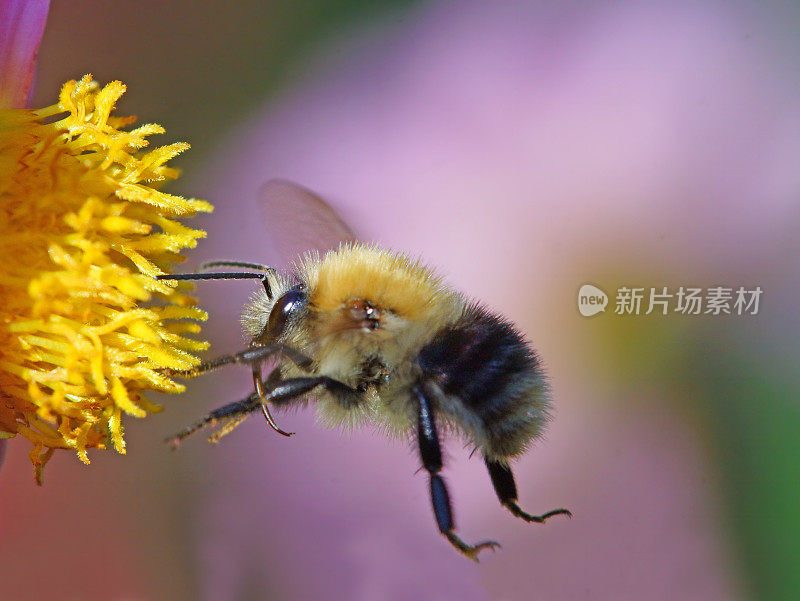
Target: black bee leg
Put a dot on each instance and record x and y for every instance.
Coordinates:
(277, 391)
(506, 489)
(256, 354)
(431, 454)
(235, 412)
(284, 391)
(259, 384)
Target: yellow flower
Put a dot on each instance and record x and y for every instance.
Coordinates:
(84, 327)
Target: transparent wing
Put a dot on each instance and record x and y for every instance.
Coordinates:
(297, 220)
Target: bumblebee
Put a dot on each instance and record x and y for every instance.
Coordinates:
(372, 336)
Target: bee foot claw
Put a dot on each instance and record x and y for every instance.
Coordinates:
(538, 519)
(471, 551)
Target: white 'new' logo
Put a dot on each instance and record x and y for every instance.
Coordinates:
(591, 300)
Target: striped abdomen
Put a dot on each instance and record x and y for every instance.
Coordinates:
(491, 380)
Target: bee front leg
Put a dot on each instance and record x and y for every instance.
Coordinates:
(431, 454)
(506, 489)
(252, 356)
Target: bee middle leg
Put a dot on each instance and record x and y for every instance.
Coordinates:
(283, 392)
(506, 489)
(272, 379)
(235, 413)
(278, 391)
(431, 454)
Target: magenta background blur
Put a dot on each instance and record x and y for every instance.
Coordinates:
(522, 149)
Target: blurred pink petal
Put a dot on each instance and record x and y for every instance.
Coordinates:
(21, 27)
(516, 146)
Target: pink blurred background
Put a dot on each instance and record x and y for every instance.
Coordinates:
(522, 149)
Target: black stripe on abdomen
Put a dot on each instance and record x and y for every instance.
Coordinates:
(481, 359)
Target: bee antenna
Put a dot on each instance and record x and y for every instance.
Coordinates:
(222, 275)
(266, 269)
(241, 264)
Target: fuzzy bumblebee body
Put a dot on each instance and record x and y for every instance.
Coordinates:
(487, 383)
(374, 337)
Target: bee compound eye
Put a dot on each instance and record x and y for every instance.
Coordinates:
(285, 308)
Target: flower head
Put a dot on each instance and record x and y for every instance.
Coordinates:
(84, 327)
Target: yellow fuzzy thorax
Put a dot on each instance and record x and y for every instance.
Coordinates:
(389, 280)
(84, 327)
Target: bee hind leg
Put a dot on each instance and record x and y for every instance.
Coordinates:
(431, 454)
(506, 489)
